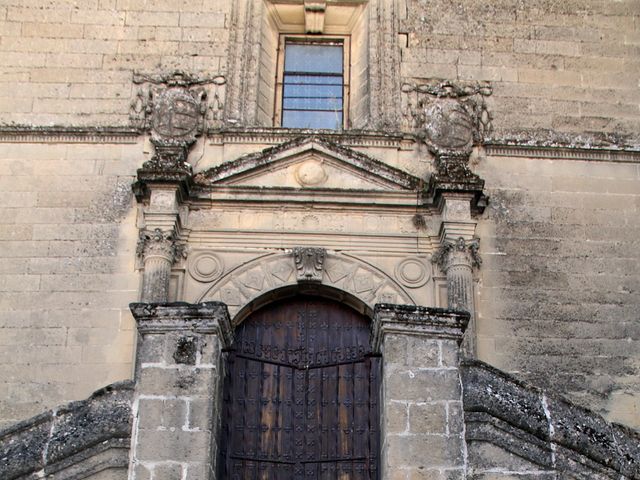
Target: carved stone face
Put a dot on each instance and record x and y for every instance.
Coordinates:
(448, 126)
(176, 114)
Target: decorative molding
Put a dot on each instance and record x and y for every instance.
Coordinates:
(77, 440)
(309, 262)
(597, 154)
(314, 11)
(460, 252)
(278, 135)
(60, 134)
(543, 428)
(383, 173)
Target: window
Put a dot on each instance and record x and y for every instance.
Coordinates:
(312, 83)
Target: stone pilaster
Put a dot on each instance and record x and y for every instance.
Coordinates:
(178, 390)
(421, 404)
(158, 251)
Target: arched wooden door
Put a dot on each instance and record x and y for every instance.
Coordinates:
(301, 395)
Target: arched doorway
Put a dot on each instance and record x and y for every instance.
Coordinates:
(301, 395)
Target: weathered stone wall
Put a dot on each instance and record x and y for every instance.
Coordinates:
(68, 62)
(67, 248)
(559, 290)
(567, 66)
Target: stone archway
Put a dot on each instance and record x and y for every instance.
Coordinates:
(266, 274)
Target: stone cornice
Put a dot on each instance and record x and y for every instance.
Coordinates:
(414, 320)
(63, 134)
(547, 145)
(207, 318)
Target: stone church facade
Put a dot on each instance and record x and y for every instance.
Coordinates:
(377, 239)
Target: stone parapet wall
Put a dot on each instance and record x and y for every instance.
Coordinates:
(79, 440)
(513, 428)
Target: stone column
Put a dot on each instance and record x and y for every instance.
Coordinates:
(457, 260)
(422, 432)
(178, 390)
(158, 251)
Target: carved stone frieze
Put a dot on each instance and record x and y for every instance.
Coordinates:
(460, 252)
(309, 263)
(449, 117)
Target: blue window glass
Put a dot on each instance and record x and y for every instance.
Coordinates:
(312, 95)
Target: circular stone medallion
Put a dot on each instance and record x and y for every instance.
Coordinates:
(205, 267)
(412, 272)
(310, 173)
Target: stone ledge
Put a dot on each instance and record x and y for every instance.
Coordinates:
(563, 426)
(206, 317)
(437, 323)
(62, 438)
(67, 134)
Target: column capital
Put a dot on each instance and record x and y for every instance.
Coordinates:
(461, 252)
(158, 243)
(413, 320)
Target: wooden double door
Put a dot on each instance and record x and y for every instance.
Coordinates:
(301, 395)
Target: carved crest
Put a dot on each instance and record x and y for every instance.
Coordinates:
(178, 107)
(449, 117)
(309, 263)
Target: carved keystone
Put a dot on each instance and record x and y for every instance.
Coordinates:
(309, 263)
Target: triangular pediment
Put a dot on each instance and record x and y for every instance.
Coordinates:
(308, 163)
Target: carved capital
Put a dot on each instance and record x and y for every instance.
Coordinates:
(309, 263)
(458, 253)
(159, 244)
